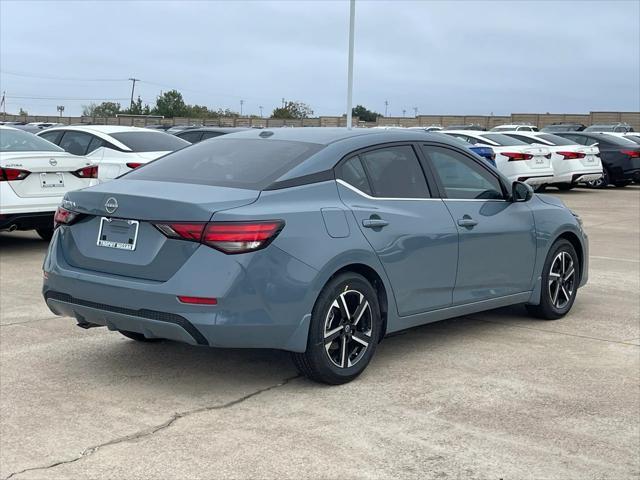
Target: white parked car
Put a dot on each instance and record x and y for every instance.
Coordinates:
(516, 127)
(572, 163)
(34, 176)
(116, 149)
(515, 159)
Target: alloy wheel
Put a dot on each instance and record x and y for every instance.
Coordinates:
(347, 329)
(562, 280)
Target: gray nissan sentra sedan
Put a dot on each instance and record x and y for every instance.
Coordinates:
(318, 241)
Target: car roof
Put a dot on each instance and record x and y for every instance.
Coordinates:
(215, 129)
(329, 135)
(105, 129)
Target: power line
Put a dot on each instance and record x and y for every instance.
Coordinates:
(68, 79)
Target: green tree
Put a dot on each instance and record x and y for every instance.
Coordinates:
(137, 108)
(293, 110)
(105, 109)
(365, 114)
(171, 104)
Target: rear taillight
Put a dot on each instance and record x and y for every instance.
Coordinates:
(571, 155)
(134, 165)
(87, 172)
(64, 217)
(632, 153)
(12, 174)
(228, 237)
(517, 156)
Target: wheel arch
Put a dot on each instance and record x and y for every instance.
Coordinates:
(376, 281)
(573, 239)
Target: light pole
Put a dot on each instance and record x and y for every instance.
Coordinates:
(415, 111)
(241, 104)
(60, 109)
(260, 107)
(133, 87)
(386, 107)
(403, 112)
(352, 19)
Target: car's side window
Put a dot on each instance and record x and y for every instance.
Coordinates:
(395, 172)
(461, 177)
(353, 173)
(95, 144)
(208, 135)
(192, 137)
(53, 137)
(75, 142)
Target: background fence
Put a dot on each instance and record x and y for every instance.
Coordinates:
(539, 119)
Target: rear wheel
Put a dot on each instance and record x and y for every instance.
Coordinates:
(623, 183)
(344, 331)
(560, 279)
(565, 186)
(45, 233)
(602, 182)
(139, 337)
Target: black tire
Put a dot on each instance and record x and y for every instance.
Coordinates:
(601, 182)
(554, 303)
(139, 337)
(622, 183)
(565, 187)
(329, 364)
(45, 233)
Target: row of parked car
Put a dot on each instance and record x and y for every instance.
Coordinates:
(36, 170)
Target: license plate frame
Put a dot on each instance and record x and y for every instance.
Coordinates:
(131, 235)
(58, 180)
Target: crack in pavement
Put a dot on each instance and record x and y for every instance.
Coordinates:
(53, 317)
(87, 452)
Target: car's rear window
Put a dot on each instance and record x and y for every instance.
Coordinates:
(556, 139)
(503, 140)
(18, 141)
(228, 162)
(150, 141)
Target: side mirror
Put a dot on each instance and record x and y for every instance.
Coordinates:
(521, 192)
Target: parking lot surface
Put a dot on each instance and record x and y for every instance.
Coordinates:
(492, 395)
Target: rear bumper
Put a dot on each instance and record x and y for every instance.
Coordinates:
(264, 299)
(578, 177)
(535, 179)
(26, 221)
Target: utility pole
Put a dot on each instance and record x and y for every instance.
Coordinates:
(133, 87)
(260, 107)
(403, 112)
(60, 109)
(415, 111)
(241, 104)
(282, 102)
(352, 19)
(386, 107)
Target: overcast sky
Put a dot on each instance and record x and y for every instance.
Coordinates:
(443, 57)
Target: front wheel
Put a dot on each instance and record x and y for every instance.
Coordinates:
(344, 331)
(560, 280)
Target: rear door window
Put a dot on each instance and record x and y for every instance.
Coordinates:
(353, 173)
(76, 143)
(395, 172)
(241, 163)
(53, 137)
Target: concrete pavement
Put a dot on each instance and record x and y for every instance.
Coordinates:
(493, 395)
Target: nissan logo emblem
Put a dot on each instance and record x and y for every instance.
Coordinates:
(111, 205)
(53, 162)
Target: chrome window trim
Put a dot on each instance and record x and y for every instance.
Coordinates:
(369, 197)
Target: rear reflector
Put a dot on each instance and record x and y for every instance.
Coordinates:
(228, 237)
(11, 174)
(134, 165)
(87, 172)
(632, 153)
(64, 217)
(571, 155)
(198, 300)
(516, 156)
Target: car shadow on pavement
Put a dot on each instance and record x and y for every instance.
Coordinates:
(13, 242)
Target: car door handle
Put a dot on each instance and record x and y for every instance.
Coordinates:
(467, 222)
(374, 223)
